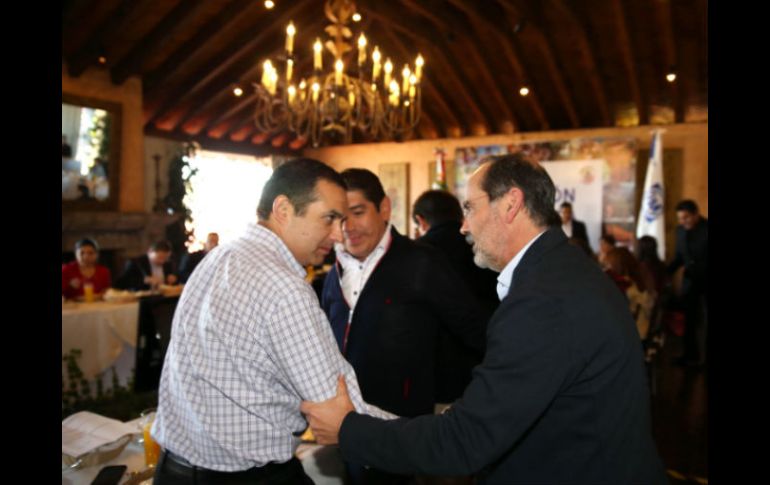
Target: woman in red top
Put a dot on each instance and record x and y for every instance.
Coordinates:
(84, 270)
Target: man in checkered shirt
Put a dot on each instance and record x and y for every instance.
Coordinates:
(249, 342)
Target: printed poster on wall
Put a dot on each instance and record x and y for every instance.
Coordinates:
(617, 156)
(579, 182)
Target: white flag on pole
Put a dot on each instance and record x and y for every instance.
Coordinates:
(651, 214)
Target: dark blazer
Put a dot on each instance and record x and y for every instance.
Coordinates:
(455, 360)
(392, 339)
(692, 252)
(136, 270)
(560, 397)
(188, 263)
(579, 230)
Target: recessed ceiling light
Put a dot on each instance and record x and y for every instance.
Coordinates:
(237, 91)
(102, 60)
(356, 17)
(524, 91)
(671, 77)
(269, 4)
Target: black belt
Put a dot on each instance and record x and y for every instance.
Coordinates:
(177, 464)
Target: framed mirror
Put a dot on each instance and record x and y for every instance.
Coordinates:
(91, 132)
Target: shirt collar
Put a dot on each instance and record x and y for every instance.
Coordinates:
(505, 276)
(262, 234)
(346, 259)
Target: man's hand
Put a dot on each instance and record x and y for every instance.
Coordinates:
(171, 279)
(326, 417)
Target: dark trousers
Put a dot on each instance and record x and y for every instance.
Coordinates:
(172, 470)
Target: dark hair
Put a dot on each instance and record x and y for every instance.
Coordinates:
(365, 181)
(297, 180)
(162, 246)
(514, 170)
(87, 242)
(623, 263)
(688, 205)
(437, 207)
(647, 249)
(609, 239)
(565, 204)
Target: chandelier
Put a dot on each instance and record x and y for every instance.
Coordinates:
(356, 92)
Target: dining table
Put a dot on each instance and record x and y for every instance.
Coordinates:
(105, 333)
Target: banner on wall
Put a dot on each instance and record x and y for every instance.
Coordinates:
(579, 182)
(617, 177)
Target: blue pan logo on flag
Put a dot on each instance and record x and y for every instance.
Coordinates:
(654, 203)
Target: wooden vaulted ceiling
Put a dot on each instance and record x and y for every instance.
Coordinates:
(587, 63)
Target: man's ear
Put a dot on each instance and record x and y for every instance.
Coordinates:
(513, 203)
(385, 207)
(283, 210)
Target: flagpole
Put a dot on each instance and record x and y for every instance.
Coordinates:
(651, 221)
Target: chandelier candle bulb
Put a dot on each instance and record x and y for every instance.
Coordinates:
(418, 66)
(388, 70)
(344, 100)
(361, 50)
(317, 62)
(338, 67)
(290, 31)
(394, 93)
(316, 88)
(376, 62)
(405, 79)
(289, 68)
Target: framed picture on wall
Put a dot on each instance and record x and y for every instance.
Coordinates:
(395, 181)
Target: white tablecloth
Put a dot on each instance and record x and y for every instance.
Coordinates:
(105, 333)
(321, 463)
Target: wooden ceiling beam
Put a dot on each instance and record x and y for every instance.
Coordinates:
(214, 101)
(132, 62)
(516, 15)
(586, 48)
(629, 62)
(430, 41)
(220, 145)
(477, 59)
(88, 55)
(173, 63)
(663, 15)
(235, 59)
(431, 95)
(244, 102)
(502, 92)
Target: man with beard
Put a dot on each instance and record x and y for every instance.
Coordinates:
(561, 395)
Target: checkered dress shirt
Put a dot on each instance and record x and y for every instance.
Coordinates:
(248, 343)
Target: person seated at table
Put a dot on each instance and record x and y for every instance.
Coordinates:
(84, 270)
(150, 270)
(191, 260)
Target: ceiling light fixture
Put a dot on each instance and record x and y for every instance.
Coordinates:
(335, 99)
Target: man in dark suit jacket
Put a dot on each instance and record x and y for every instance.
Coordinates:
(561, 396)
(150, 270)
(191, 260)
(438, 216)
(573, 228)
(386, 298)
(692, 252)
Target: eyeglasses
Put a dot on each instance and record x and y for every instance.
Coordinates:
(468, 207)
